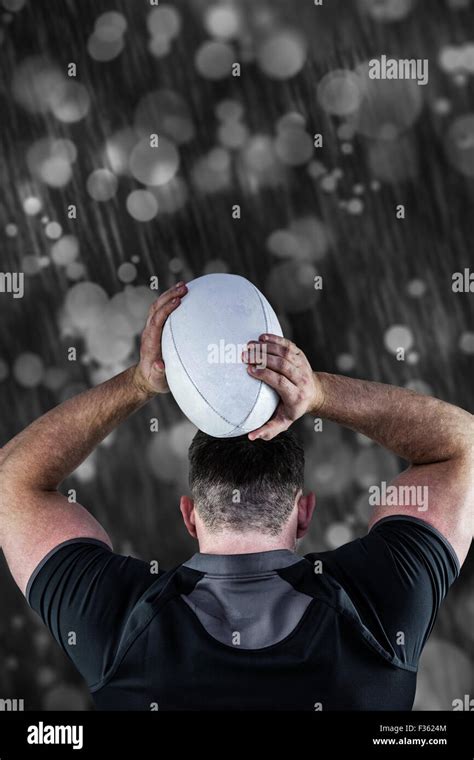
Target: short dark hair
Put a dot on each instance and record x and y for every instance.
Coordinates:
(244, 485)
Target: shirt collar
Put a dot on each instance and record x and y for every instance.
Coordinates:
(240, 564)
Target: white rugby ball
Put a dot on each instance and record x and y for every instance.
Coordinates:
(202, 343)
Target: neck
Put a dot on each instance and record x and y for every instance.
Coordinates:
(243, 543)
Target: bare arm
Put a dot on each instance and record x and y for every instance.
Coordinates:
(437, 438)
(34, 516)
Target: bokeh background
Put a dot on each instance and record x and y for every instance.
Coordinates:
(167, 213)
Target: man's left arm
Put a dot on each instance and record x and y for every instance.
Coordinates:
(34, 516)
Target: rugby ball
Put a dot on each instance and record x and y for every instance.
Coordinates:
(202, 344)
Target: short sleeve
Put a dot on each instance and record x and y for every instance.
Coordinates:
(396, 577)
(84, 593)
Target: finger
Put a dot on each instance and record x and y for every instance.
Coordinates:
(280, 341)
(284, 387)
(278, 364)
(259, 348)
(270, 430)
(151, 339)
(179, 289)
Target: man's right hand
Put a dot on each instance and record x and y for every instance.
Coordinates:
(289, 372)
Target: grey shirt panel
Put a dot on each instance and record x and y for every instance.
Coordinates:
(242, 601)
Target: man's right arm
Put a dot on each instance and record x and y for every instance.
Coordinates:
(435, 437)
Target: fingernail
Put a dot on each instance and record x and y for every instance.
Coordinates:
(174, 300)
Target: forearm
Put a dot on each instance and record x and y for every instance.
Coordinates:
(53, 446)
(420, 429)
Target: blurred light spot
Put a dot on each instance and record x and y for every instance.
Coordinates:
(259, 164)
(102, 185)
(346, 131)
(75, 270)
(37, 82)
(65, 250)
(32, 206)
(11, 230)
(355, 206)
(84, 303)
(291, 120)
(229, 110)
(388, 107)
(466, 343)
(218, 159)
(340, 92)
(398, 336)
(293, 146)
(214, 60)
(222, 21)
(328, 183)
(71, 103)
(103, 343)
(416, 288)
(459, 144)
(154, 166)
(127, 272)
(49, 161)
(316, 169)
(450, 59)
(386, 10)
(232, 134)
(30, 265)
(283, 243)
(337, 535)
(142, 205)
(172, 196)
(159, 47)
(110, 26)
(345, 362)
(282, 55)
(442, 106)
(413, 357)
(54, 378)
(28, 370)
(101, 50)
(118, 149)
(53, 230)
(164, 21)
(175, 265)
(164, 112)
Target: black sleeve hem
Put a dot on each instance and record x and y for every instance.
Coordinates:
(53, 551)
(430, 528)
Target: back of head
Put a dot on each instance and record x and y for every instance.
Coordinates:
(242, 485)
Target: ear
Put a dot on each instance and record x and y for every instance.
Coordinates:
(305, 504)
(186, 506)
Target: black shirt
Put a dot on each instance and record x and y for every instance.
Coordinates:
(337, 630)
